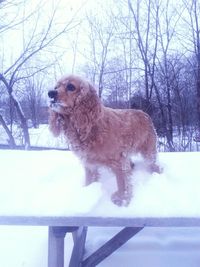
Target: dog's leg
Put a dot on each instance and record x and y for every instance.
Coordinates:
(152, 166)
(149, 152)
(91, 175)
(123, 195)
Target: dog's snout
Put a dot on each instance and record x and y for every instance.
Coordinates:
(52, 93)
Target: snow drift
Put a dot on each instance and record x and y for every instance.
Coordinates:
(52, 183)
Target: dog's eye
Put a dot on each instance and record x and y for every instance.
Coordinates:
(70, 87)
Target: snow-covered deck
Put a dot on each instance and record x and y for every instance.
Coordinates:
(51, 183)
(45, 188)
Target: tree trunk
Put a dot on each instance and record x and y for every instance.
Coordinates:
(9, 133)
(23, 123)
(164, 120)
(19, 112)
(198, 97)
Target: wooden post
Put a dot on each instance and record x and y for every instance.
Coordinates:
(56, 245)
(79, 237)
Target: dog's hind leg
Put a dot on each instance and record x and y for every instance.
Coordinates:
(150, 157)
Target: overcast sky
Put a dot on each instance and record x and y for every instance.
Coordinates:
(11, 42)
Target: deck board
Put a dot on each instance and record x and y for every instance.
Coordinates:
(101, 221)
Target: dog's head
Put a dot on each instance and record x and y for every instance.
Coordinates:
(67, 94)
(76, 100)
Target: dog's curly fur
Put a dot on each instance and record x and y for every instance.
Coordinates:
(101, 135)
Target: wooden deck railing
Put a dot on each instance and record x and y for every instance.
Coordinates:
(77, 226)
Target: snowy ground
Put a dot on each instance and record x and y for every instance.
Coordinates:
(51, 183)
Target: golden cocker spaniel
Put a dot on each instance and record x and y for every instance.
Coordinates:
(100, 135)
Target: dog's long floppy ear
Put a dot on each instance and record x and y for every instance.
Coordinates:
(55, 123)
(87, 109)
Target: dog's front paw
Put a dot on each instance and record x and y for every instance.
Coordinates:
(121, 198)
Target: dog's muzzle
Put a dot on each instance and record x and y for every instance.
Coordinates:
(54, 103)
(53, 95)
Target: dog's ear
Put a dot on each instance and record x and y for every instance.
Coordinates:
(55, 123)
(88, 101)
(87, 110)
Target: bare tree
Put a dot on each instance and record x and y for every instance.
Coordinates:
(100, 36)
(125, 47)
(147, 41)
(155, 26)
(145, 38)
(8, 18)
(34, 44)
(193, 9)
(167, 30)
(32, 99)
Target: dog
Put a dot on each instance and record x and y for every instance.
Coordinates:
(102, 136)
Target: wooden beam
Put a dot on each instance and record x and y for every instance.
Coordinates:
(112, 245)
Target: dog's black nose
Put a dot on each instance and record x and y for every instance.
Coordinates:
(52, 93)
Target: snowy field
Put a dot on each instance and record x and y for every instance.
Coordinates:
(51, 183)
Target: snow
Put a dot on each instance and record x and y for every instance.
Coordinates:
(52, 183)
(40, 137)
